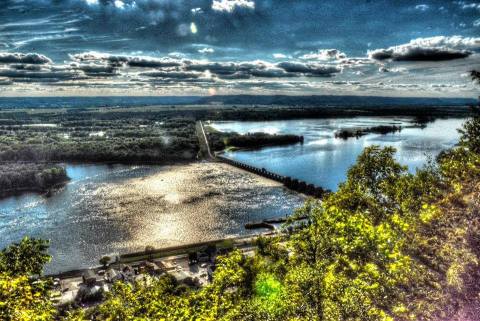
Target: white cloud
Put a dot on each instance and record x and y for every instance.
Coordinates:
(119, 4)
(196, 11)
(466, 6)
(230, 5)
(422, 7)
(91, 2)
(279, 56)
(206, 50)
(454, 42)
(325, 54)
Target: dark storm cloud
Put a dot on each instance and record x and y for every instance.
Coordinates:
(175, 74)
(429, 49)
(97, 70)
(311, 69)
(28, 58)
(419, 54)
(39, 75)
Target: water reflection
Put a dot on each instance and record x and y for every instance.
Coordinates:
(324, 160)
(112, 209)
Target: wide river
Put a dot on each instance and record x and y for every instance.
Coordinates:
(323, 160)
(119, 209)
(110, 209)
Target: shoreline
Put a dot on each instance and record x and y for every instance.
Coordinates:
(178, 250)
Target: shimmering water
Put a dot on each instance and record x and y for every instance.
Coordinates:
(324, 159)
(107, 209)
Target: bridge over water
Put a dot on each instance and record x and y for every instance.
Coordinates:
(289, 182)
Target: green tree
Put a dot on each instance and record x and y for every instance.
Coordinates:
(22, 298)
(105, 260)
(25, 258)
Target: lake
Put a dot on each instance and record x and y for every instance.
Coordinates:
(323, 160)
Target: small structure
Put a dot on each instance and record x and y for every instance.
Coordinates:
(203, 257)
(153, 268)
(111, 275)
(89, 278)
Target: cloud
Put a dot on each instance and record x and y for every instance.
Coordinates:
(176, 74)
(132, 61)
(422, 7)
(28, 58)
(206, 50)
(115, 73)
(272, 72)
(41, 75)
(418, 54)
(96, 70)
(325, 54)
(466, 6)
(429, 49)
(231, 5)
(310, 69)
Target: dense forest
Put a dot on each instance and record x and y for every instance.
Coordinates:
(83, 137)
(21, 177)
(388, 245)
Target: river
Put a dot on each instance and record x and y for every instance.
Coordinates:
(111, 209)
(323, 160)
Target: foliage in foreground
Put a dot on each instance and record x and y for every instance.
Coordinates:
(22, 296)
(388, 245)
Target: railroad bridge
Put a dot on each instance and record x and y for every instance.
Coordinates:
(289, 182)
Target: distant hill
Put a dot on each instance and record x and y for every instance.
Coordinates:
(128, 101)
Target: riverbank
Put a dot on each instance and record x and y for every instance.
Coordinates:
(226, 244)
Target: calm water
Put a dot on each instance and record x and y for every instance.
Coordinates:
(324, 160)
(107, 209)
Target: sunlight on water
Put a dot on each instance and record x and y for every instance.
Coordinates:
(324, 160)
(117, 209)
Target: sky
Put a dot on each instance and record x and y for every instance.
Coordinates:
(208, 47)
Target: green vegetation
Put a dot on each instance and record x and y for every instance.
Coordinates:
(358, 132)
(225, 140)
(21, 177)
(92, 136)
(388, 245)
(22, 296)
